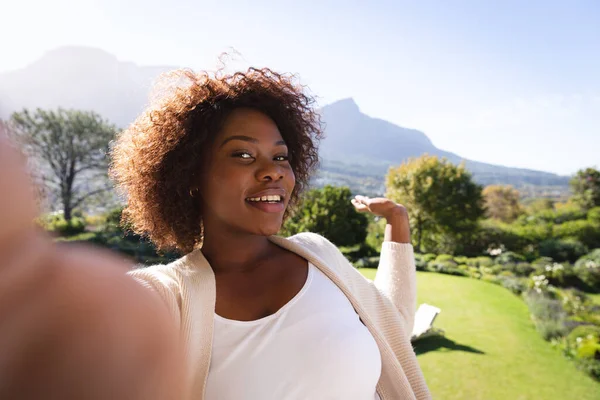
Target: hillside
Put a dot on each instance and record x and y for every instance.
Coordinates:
(92, 79)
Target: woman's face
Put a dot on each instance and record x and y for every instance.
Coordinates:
(248, 180)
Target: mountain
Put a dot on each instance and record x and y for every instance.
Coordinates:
(83, 78)
(359, 142)
(357, 149)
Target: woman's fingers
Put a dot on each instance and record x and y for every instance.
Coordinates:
(17, 201)
(359, 206)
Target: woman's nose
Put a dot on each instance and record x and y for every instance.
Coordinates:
(270, 171)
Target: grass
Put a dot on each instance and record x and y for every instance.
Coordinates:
(491, 349)
(595, 297)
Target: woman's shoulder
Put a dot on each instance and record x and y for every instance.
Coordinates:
(163, 275)
(315, 243)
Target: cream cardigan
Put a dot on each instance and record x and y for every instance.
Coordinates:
(386, 307)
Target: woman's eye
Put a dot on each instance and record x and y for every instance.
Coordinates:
(243, 155)
(282, 158)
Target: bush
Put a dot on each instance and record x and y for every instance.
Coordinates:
(584, 231)
(444, 257)
(56, 223)
(563, 249)
(515, 285)
(519, 269)
(354, 253)
(461, 259)
(583, 345)
(441, 266)
(594, 215)
(587, 269)
(429, 257)
(420, 262)
(367, 262)
(509, 257)
(548, 315)
(480, 262)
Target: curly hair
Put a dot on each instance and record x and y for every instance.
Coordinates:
(155, 162)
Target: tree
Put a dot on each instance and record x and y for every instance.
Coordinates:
(502, 202)
(68, 149)
(329, 212)
(443, 202)
(586, 188)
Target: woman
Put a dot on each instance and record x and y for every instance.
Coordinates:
(212, 170)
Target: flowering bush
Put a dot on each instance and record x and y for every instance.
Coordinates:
(547, 313)
(587, 268)
(583, 345)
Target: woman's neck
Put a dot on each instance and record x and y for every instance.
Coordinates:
(235, 252)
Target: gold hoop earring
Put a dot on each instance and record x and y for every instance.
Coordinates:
(192, 191)
(201, 240)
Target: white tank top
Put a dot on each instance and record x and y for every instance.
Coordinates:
(314, 347)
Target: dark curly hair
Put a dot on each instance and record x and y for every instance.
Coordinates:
(156, 161)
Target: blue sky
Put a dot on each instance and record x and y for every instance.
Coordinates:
(502, 82)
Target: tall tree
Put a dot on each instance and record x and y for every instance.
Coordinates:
(68, 149)
(329, 212)
(502, 202)
(443, 202)
(586, 188)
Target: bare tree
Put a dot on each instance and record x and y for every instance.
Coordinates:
(69, 151)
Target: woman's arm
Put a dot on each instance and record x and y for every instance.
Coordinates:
(396, 274)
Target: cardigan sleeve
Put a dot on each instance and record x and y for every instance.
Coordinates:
(165, 286)
(397, 278)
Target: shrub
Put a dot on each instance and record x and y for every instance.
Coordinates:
(515, 285)
(563, 249)
(587, 269)
(420, 262)
(429, 257)
(356, 252)
(367, 262)
(444, 257)
(583, 345)
(56, 223)
(594, 215)
(584, 231)
(548, 315)
(489, 278)
(441, 266)
(509, 257)
(461, 259)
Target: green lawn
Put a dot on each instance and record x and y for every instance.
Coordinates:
(491, 349)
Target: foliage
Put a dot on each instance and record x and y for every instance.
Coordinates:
(502, 202)
(539, 204)
(587, 268)
(584, 231)
(515, 285)
(443, 202)
(329, 212)
(547, 314)
(375, 232)
(69, 148)
(509, 257)
(568, 249)
(56, 223)
(586, 188)
(583, 345)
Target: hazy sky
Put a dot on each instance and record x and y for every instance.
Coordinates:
(502, 82)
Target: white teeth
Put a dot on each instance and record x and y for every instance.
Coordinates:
(265, 198)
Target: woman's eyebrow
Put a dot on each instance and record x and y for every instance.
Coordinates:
(248, 139)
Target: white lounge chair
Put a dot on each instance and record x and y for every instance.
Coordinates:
(424, 318)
